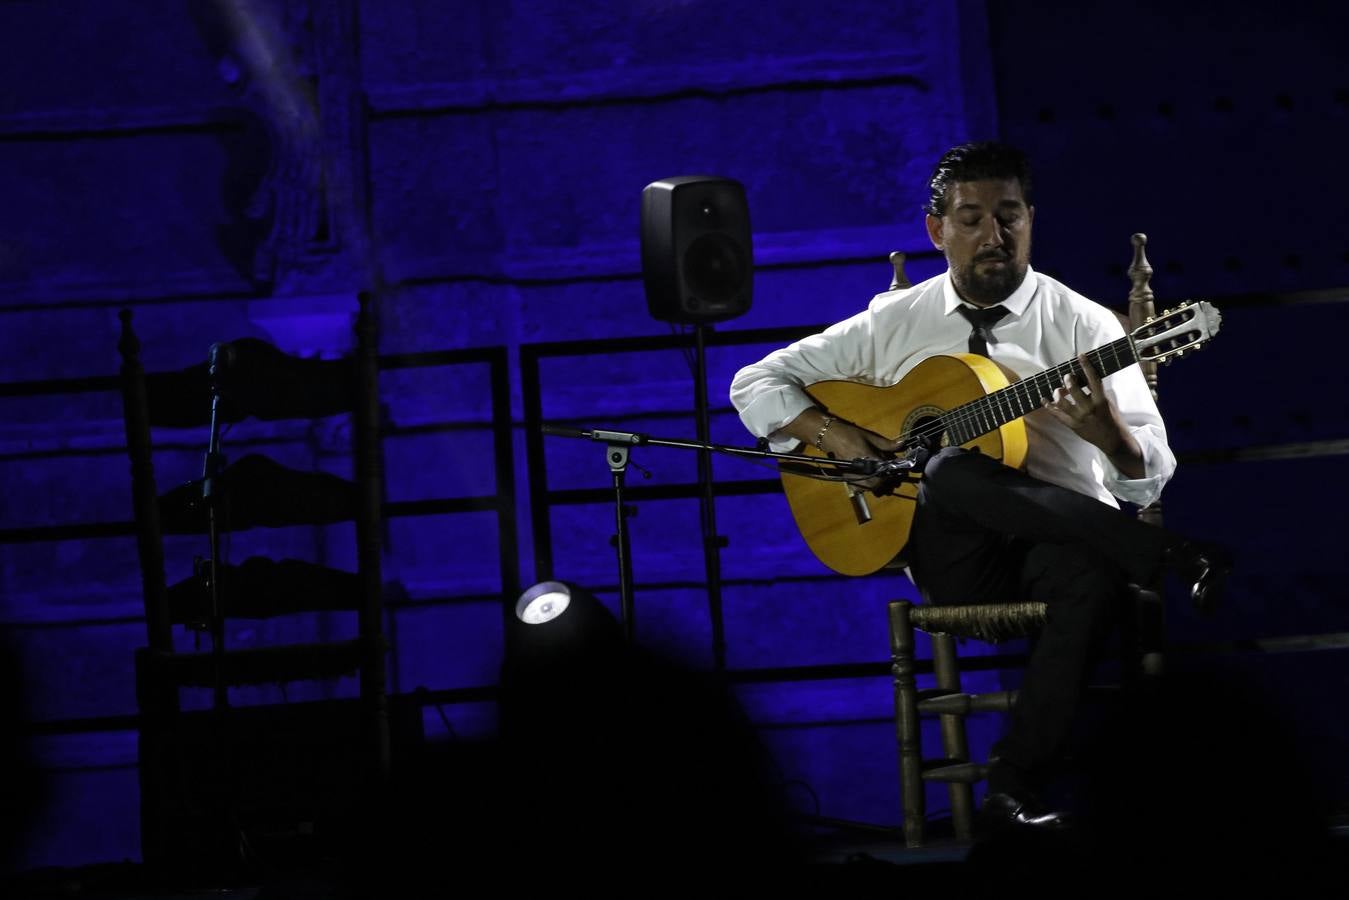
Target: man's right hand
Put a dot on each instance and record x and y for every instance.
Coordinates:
(842, 439)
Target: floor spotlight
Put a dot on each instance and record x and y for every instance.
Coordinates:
(620, 756)
(543, 603)
(563, 661)
(561, 617)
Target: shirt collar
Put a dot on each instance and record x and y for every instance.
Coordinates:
(1015, 304)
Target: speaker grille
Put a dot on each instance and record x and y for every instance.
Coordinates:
(716, 268)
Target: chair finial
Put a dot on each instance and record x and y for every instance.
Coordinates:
(900, 280)
(1141, 300)
(1140, 271)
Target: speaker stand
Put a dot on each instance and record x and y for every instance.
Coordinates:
(712, 542)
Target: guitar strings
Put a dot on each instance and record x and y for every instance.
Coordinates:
(1122, 351)
(986, 409)
(1029, 393)
(984, 415)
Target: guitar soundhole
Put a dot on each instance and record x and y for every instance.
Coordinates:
(922, 420)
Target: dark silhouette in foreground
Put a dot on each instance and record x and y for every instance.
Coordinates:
(1197, 779)
(617, 768)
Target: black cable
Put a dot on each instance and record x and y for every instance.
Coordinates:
(821, 476)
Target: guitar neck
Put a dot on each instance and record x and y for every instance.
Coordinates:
(988, 413)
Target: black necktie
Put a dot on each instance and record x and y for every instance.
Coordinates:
(982, 321)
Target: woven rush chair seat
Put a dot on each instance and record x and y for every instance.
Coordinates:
(990, 622)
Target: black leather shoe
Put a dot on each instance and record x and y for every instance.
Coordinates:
(1205, 570)
(1007, 811)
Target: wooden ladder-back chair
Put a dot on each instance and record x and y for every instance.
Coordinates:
(302, 765)
(1141, 643)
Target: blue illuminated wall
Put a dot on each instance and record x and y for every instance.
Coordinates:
(1212, 128)
(483, 164)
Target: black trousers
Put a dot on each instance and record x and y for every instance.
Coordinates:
(986, 533)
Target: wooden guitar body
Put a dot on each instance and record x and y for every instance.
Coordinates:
(826, 512)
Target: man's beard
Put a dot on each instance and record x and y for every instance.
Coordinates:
(989, 288)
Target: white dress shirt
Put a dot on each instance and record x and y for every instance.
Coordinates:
(1047, 324)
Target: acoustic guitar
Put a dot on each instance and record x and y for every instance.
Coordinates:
(959, 399)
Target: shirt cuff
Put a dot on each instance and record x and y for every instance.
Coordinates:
(770, 412)
(1138, 491)
(1157, 460)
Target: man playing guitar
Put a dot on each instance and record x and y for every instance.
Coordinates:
(980, 531)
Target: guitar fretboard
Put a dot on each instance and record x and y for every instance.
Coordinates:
(978, 417)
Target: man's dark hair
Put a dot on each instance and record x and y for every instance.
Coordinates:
(978, 161)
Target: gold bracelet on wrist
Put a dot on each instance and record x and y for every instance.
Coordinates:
(819, 435)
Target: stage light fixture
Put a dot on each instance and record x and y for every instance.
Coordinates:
(564, 658)
(543, 603)
(560, 617)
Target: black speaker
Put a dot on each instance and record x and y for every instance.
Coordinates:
(697, 259)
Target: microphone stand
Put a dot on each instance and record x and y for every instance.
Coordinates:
(229, 839)
(618, 445)
(211, 469)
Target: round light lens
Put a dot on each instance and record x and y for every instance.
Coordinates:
(542, 603)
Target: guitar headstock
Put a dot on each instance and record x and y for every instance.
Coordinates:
(1171, 334)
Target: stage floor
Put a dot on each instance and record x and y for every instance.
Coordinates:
(838, 860)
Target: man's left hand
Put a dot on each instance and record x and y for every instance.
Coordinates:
(1092, 417)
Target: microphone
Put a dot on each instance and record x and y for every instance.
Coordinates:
(886, 468)
(220, 357)
(562, 431)
(609, 437)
